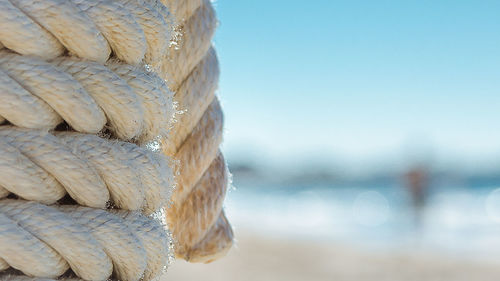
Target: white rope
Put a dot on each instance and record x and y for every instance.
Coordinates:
(40, 89)
(193, 98)
(198, 151)
(22, 108)
(72, 241)
(156, 29)
(20, 33)
(20, 175)
(182, 9)
(156, 98)
(94, 243)
(69, 25)
(123, 108)
(196, 32)
(206, 198)
(91, 169)
(125, 36)
(57, 88)
(136, 104)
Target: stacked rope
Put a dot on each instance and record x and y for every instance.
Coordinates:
(86, 89)
(195, 218)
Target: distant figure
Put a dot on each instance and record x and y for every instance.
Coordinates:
(417, 183)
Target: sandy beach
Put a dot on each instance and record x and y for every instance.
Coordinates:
(270, 259)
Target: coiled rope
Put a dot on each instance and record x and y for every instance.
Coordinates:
(196, 219)
(74, 73)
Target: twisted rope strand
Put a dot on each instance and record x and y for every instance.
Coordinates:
(156, 239)
(215, 244)
(123, 108)
(72, 241)
(22, 108)
(193, 96)
(196, 34)
(156, 175)
(120, 243)
(182, 9)
(69, 25)
(115, 168)
(80, 181)
(119, 27)
(92, 242)
(201, 209)
(156, 98)
(85, 94)
(156, 29)
(90, 169)
(63, 93)
(23, 35)
(30, 181)
(198, 151)
(26, 253)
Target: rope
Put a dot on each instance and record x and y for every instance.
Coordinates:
(20, 33)
(133, 30)
(41, 167)
(196, 219)
(156, 98)
(206, 198)
(93, 243)
(130, 96)
(72, 27)
(195, 42)
(199, 150)
(194, 96)
(38, 94)
(156, 29)
(118, 25)
(215, 244)
(182, 9)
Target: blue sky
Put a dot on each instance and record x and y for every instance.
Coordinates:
(360, 79)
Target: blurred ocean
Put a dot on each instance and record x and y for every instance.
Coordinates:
(458, 220)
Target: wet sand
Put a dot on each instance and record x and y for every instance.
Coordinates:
(271, 259)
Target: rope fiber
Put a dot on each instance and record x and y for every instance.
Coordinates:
(109, 139)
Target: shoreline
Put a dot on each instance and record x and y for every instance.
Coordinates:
(256, 257)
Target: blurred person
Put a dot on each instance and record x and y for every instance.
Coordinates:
(417, 184)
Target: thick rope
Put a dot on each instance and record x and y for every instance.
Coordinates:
(94, 243)
(215, 244)
(72, 27)
(193, 97)
(135, 103)
(192, 71)
(123, 108)
(120, 28)
(195, 42)
(156, 98)
(90, 169)
(156, 28)
(156, 240)
(20, 33)
(198, 151)
(182, 9)
(24, 109)
(132, 104)
(58, 89)
(201, 208)
(88, 29)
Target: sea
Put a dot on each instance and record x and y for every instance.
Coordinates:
(457, 220)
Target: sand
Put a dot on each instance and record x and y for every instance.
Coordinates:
(264, 259)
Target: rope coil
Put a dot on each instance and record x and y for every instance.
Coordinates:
(195, 139)
(57, 69)
(91, 242)
(91, 169)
